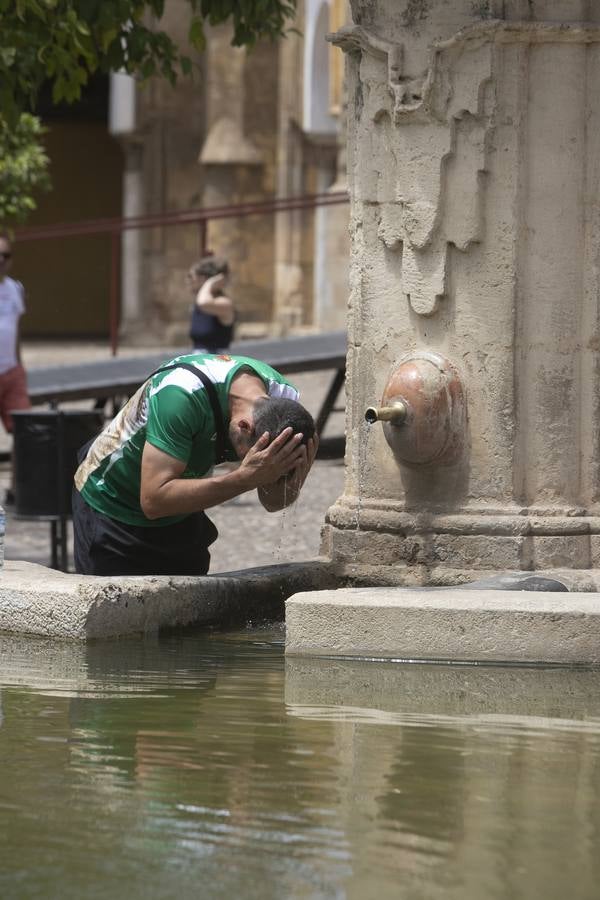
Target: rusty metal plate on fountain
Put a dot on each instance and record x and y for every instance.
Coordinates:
(433, 431)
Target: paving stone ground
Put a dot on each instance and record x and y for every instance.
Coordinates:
(248, 535)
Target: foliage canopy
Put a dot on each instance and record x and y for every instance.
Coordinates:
(63, 42)
(23, 167)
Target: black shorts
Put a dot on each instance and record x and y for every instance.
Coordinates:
(104, 546)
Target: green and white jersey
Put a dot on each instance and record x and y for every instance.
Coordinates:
(171, 411)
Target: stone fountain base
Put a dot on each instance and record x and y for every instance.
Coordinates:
(383, 532)
(361, 575)
(551, 617)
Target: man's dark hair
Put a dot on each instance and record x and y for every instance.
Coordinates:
(209, 266)
(273, 414)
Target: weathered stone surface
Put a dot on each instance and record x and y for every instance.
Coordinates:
(516, 581)
(567, 550)
(476, 552)
(36, 600)
(454, 544)
(456, 625)
(504, 581)
(352, 575)
(595, 550)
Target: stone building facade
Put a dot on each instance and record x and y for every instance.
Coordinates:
(252, 126)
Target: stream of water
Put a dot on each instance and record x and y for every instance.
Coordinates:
(205, 765)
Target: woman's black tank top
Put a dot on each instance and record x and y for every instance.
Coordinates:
(208, 332)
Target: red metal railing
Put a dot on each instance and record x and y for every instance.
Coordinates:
(201, 217)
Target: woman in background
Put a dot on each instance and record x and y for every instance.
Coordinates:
(213, 313)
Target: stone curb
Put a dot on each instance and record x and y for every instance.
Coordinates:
(40, 601)
(485, 626)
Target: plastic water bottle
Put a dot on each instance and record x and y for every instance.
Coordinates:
(2, 530)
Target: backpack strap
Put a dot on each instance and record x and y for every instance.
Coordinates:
(221, 442)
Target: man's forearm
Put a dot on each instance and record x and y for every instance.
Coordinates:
(183, 496)
(165, 492)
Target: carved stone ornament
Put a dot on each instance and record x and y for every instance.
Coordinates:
(410, 94)
(425, 171)
(430, 192)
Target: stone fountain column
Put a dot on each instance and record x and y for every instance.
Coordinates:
(474, 169)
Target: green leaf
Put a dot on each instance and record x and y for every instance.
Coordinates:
(7, 56)
(23, 167)
(58, 40)
(196, 34)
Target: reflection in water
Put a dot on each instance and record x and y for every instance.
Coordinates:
(178, 768)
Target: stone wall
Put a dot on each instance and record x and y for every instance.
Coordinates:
(162, 174)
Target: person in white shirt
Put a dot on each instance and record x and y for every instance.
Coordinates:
(13, 380)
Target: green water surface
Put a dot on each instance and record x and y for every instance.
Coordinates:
(205, 765)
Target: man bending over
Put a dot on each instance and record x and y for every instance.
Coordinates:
(143, 484)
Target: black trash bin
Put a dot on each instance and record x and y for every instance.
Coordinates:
(45, 445)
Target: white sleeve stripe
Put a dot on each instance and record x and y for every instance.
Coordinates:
(286, 391)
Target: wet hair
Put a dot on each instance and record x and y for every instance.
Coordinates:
(209, 266)
(273, 414)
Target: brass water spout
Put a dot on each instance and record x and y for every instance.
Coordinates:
(395, 414)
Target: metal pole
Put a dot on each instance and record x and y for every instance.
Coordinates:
(54, 544)
(62, 512)
(115, 260)
(202, 229)
(181, 217)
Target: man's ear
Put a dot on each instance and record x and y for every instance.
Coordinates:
(246, 427)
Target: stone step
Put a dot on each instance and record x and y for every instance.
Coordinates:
(454, 625)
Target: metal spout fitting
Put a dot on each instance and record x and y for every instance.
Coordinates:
(396, 413)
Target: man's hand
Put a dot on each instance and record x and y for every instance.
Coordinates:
(266, 466)
(297, 478)
(265, 463)
(164, 492)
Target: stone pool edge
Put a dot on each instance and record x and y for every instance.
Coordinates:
(37, 600)
(489, 626)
